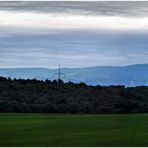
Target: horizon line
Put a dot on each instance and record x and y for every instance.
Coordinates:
(73, 67)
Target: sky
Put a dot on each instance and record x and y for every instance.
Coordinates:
(74, 34)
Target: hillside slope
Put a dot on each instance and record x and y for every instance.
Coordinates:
(134, 75)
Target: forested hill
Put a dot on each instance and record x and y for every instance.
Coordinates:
(59, 97)
(132, 75)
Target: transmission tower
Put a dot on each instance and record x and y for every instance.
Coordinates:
(59, 73)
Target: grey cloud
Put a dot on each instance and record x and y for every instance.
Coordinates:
(73, 49)
(114, 8)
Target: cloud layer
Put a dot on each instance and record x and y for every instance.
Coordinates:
(75, 34)
(73, 49)
(114, 8)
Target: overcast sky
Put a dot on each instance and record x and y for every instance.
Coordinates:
(74, 34)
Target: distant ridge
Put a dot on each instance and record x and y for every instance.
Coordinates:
(131, 75)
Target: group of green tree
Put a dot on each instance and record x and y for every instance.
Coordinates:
(19, 95)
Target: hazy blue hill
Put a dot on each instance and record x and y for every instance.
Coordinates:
(132, 75)
(27, 73)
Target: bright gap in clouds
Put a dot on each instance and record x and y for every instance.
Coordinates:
(64, 21)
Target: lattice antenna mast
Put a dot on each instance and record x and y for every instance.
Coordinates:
(59, 73)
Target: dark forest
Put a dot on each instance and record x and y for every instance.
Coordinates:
(36, 96)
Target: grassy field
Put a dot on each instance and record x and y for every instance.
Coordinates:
(73, 130)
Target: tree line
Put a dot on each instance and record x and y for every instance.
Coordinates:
(37, 96)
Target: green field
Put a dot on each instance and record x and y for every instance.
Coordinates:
(73, 130)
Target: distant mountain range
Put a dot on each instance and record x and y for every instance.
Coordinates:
(133, 75)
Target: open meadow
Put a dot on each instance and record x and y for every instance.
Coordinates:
(73, 130)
